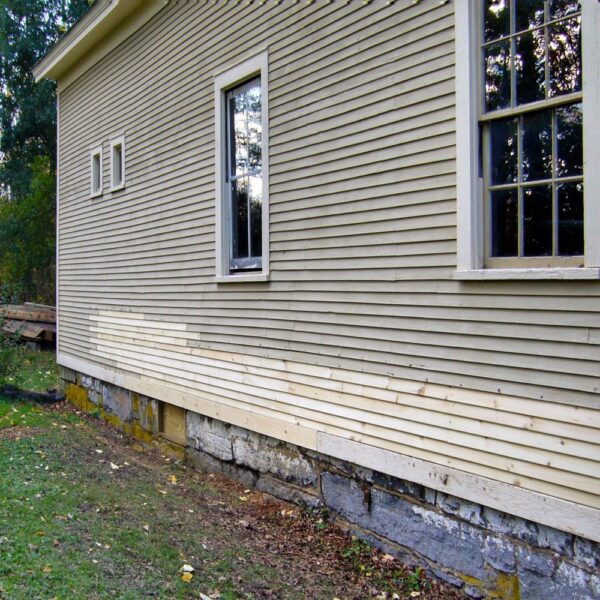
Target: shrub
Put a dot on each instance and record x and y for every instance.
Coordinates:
(11, 350)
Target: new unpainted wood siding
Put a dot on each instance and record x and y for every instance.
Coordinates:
(361, 331)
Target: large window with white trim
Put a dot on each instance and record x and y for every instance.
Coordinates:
(529, 99)
(242, 220)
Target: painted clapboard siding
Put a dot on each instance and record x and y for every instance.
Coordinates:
(361, 332)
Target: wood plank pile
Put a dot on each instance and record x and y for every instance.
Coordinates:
(32, 322)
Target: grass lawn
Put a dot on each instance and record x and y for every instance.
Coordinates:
(88, 513)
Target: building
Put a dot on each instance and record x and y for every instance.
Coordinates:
(349, 252)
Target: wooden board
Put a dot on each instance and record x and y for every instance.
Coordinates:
(173, 423)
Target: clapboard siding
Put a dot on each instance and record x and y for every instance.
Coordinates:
(361, 331)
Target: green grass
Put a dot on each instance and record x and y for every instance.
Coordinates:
(39, 372)
(72, 527)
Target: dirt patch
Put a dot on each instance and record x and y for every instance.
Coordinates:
(96, 514)
(304, 544)
(16, 433)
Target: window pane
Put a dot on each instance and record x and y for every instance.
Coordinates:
(529, 66)
(569, 141)
(254, 127)
(117, 164)
(239, 133)
(503, 134)
(504, 223)
(561, 8)
(239, 218)
(564, 54)
(537, 221)
(255, 215)
(537, 145)
(530, 13)
(496, 22)
(570, 219)
(96, 173)
(497, 76)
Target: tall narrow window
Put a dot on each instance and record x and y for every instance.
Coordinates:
(117, 163)
(242, 172)
(244, 175)
(532, 132)
(96, 171)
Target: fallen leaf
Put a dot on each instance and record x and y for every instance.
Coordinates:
(387, 558)
(415, 594)
(172, 479)
(99, 451)
(243, 498)
(113, 466)
(47, 569)
(187, 577)
(187, 569)
(146, 527)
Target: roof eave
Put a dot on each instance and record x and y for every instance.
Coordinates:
(93, 27)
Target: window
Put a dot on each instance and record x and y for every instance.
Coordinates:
(242, 172)
(96, 171)
(525, 199)
(117, 163)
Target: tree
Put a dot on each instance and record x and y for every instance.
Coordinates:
(28, 28)
(27, 109)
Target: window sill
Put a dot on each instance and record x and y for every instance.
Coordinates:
(552, 274)
(96, 194)
(241, 278)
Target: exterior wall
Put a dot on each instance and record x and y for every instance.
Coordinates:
(361, 343)
(485, 552)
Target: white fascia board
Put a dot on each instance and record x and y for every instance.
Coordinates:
(85, 37)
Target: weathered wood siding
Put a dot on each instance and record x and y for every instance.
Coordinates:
(361, 331)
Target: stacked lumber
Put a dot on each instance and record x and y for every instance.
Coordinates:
(32, 322)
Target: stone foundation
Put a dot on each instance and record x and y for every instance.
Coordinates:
(487, 553)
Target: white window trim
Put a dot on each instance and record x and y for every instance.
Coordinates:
(257, 65)
(116, 141)
(469, 183)
(94, 151)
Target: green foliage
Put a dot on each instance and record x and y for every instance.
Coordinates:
(11, 356)
(27, 109)
(28, 143)
(27, 238)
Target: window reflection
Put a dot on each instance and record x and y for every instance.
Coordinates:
(569, 160)
(530, 56)
(537, 221)
(531, 53)
(529, 13)
(497, 76)
(564, 54)
(244, 105)
(496, 19)
(537, 145)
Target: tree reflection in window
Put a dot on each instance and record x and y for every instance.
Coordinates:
(244, 168)
(531, 53)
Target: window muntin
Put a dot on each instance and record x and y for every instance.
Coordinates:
(531, 125)
(96, 171)
(243, 108)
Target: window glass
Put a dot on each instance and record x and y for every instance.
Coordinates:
(534, 153)
(244, 155)
(96, 173)
(117, 165)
